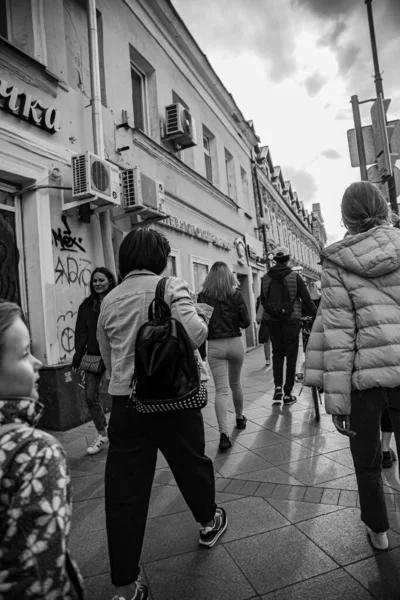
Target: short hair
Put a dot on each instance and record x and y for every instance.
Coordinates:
(220, 283)
(143, 248)
(108, 274)
(9, 312)
(364, 207)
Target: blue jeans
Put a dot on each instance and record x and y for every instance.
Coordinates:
(367, 407)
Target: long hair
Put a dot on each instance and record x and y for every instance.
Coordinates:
(9, 312)
(220, 283)
(364, 207)
(93, 294)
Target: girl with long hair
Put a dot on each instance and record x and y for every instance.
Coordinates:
(225, 345)
(354, 348)
(102, 282)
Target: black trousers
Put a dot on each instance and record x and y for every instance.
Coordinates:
(285, 344)
(134, 441)
(367, 407)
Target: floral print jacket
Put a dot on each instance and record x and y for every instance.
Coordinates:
(35, 510)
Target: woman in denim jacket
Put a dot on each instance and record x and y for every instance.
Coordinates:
(135, 438)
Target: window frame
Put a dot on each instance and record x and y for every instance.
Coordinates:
(144, 97)
(8, 23)
(207, 158)
(194, 259)
(177, 256)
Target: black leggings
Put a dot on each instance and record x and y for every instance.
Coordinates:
(386, 423)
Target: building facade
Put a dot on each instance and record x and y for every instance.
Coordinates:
(147, 62)
(287, 222)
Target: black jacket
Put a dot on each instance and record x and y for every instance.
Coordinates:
(85, 331)
(302, 303)
(229, 316)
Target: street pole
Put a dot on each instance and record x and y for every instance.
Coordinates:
(359, 137)
(379, 90)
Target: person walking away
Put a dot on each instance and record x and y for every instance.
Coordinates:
(314, 292)
(263, 333)
(136, 437)
(388, 456)
(35, 491)
(283, 296)
(354, 348)
(225, 345)
(102, 281)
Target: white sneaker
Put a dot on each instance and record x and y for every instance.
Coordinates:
(97, 445)
(378, 540)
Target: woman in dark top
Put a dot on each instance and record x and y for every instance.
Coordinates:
(102, 281)
(225, 346)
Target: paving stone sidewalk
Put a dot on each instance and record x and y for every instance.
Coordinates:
(290, 492)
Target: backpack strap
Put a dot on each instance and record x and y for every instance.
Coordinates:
(160, 289)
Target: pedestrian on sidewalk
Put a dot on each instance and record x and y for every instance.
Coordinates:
(354, 349)
(263, 332)
(35, 491)
(136, 437)
(284, 297)
(87, 352)
(225, 345)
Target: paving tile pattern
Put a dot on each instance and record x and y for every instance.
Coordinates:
(290, 492)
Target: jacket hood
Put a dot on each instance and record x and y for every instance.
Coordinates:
(279, 271)
(370, 254)
(20, 410)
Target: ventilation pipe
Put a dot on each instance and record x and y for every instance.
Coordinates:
(97, 122)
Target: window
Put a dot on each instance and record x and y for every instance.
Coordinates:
(4, 19)
(138, 79)
(230, 175)
(207, 158)
(22, 24)
(200, 269)
(171, 271)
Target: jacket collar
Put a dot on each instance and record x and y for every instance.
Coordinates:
(138, 273)
(20, 410)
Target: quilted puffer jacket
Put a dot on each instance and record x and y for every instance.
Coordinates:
(355, 341)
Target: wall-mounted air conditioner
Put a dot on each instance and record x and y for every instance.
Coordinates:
(180, 126)
(95, 180)
(142, 193)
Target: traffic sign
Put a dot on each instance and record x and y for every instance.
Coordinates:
(370, 157)
(374, 177)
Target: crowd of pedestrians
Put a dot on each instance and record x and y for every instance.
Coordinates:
(353, 355)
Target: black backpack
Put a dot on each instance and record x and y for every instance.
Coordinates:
(166, 376)
(277, 300)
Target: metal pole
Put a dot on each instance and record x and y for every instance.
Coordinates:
(359, 137)
(262, 213)
(97, 122)
(391, 183)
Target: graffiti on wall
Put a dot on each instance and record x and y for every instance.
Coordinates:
(72, 271)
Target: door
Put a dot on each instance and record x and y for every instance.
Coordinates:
(12, 280)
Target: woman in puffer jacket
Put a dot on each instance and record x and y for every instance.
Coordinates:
(354, 348)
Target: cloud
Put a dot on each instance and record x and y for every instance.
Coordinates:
(314, 84)
(343, 114)
(331, 154)
(327, 8)
(302, 182)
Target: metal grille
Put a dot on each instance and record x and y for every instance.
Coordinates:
(79, 174)
(172, 118)
(100, 176)
(128, 187)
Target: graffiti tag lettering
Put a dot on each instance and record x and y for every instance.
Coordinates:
(65, 239)
(73, 271)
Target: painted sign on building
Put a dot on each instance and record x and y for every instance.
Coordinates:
(194, 231)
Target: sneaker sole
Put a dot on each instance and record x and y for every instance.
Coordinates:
(289, 403)
(215, 540)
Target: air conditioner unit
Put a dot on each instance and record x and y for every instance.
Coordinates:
(180, 126)
(142, 193)
(95, 179)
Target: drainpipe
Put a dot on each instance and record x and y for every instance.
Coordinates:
(261, 207)
(97, 123)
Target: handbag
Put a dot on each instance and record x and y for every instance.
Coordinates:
(93, 364)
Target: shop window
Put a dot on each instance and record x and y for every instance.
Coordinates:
(230, 174)
(200, 269)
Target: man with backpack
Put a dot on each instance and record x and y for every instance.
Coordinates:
(284, 297)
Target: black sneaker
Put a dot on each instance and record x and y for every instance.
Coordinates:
(278, 393)
(141, 593)
(210, 535)
(241, 423)
(289, 400)
(224, 442)
(388, 458)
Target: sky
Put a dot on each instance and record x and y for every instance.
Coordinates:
(292, 67)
